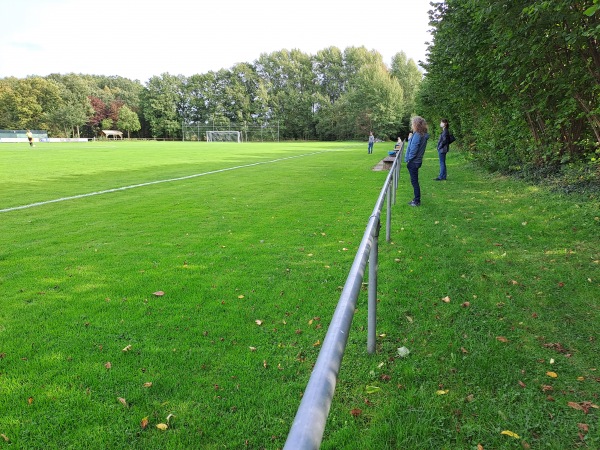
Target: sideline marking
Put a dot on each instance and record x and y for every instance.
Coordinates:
(149, 183)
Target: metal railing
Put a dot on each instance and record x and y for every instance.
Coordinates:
(309, 424)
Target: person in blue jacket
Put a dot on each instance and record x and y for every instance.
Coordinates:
(442, 148)
(417, 141)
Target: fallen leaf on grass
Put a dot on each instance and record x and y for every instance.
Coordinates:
(148, 384)
(108, 365)
(265, 365)
(30, 400)
(582, 406)
(144, 423)
(372, 389)
(466, 304)
(258, 322)
(6, 439)
(252, 349)
(162, 426)
(479, 447)
(546, 388)
(316, 344)
(446, 299)
(158, 293)
(442, 392)
(122, 401)
(510, 433)
(552, 374)
(583, 427)
(522, 384)
(126, 349)
(356, 412)
(240, 296)
(501, 339)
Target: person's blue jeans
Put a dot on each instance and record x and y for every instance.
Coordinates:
(442, 175)
(370, 149)
(413, 170)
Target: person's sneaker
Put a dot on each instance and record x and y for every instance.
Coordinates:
(413, 203)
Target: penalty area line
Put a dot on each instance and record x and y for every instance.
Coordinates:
(150, 183)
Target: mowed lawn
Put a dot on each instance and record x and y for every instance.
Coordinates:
(184, 303)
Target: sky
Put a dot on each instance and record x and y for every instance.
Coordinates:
(138, 39)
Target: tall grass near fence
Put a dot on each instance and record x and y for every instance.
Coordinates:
(199, 304)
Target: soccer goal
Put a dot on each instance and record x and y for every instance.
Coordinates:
(223, 136)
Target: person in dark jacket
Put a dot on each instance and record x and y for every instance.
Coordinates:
(417, 141)
(442, 148)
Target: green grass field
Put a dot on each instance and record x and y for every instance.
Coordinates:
(200, 303)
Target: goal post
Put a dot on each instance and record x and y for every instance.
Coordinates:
(240, 132)
(223, 136)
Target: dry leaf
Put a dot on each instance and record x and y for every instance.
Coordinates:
(469, 398)
(576, 406)
(546, 388)
(356, 412)
(521, 384)
(126, 349)
(30, 400)
(6, 439)
(552, 374)
(464, 350)
(258, 322)
(510, 433)
(265, 365)
(162, 426)
(583, 427)
(501, 339)
(466, 304)
(108, 365)
(148, 384)
(316, 344)
(158, 293)
(144, 423)
(169, 417)
(252, 349)
(446, 299)
(122, 401)
(479, 447)
(442, 392)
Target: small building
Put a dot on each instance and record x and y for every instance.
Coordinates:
(112, 134)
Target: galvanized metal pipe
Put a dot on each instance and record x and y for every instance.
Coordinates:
(309, 424)
(372, 299)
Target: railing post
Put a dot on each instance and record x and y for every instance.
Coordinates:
(372, 300)
(388, 214)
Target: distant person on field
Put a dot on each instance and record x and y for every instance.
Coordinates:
(30, 138)
(371, 142)
(442, 148)
(417, 141)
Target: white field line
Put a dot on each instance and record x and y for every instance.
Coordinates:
(149, 183)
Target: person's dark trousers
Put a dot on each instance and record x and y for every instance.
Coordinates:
(413, 170)
(442, 175)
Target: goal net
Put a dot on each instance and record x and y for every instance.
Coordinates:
(223, 136)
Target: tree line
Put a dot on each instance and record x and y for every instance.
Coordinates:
(520, 82)
(331, 95)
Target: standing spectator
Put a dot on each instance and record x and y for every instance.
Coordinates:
(30, 138)
(417, 141)
(371, 142)
(442, 148)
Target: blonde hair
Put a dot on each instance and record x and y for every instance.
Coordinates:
(419, 125)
